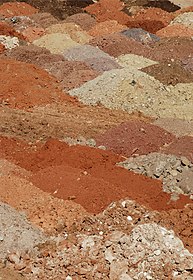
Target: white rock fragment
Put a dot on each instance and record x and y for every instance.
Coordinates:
(9, 42)
(88, 242)
(68, 277)
(129, 218)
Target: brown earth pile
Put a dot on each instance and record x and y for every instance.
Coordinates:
(106, 27)
(67, 120)
(172, 48)
(177, 30)
(117, 44)
(12, 9)
(71, 74)
(135, 138)
(33, 54)
(182, 146)
(84, 20)
(169, 73)
(151, 19)
(108, 10)
(43, 19)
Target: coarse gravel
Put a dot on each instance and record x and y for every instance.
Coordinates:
(175, 172)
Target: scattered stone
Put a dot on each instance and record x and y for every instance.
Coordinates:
(175, 172)
(140, 35)
(9, 42)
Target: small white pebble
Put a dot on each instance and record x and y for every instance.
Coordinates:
(123, 203)
(101, 232)
(68, 278)
(129, 218)
(175, 273)
(157, 252)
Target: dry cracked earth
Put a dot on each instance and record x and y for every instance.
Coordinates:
(96, 140)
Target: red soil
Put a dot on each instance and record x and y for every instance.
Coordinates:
(16, 78)
(135, 138)
(108, 10)
(100, 183)
(177, 30)
(151, 19)
(2, 48)
(85, 21)
(7, 30)
(117, 44)
(12, 9)
(106, 27)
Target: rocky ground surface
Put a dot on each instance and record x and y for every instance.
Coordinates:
(96, 140)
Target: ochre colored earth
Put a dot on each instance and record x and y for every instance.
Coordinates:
(16, 79)
(77, 174)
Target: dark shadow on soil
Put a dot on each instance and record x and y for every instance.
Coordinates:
(58, 8)
(165, 5)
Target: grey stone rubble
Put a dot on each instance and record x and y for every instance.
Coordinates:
(17, 235)
(175, 172)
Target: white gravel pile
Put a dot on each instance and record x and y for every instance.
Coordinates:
(131, 90)
(185, 19)
(16, 233)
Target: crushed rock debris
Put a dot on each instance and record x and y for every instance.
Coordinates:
(175, 172)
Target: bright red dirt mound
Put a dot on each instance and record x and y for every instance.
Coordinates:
(99, 176)
(24, 85)
(108, 10)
